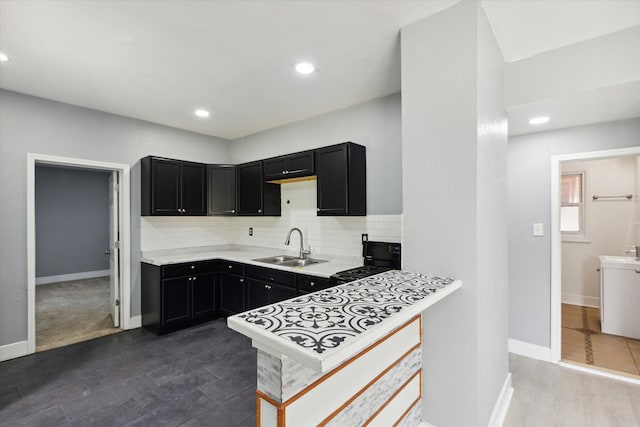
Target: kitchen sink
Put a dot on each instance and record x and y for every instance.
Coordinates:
(278, 259)
(289, 261)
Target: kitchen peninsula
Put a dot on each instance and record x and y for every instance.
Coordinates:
(349, 355)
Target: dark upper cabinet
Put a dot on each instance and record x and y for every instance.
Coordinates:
(222, 190)
(290, 166)
(173, 187)
(342, 172)
(254, 196)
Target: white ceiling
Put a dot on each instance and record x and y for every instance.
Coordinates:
(160, 60)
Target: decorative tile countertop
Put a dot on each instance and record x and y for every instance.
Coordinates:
(326, 328)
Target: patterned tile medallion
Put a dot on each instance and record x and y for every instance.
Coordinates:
(326, 319)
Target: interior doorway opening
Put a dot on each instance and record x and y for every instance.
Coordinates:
(78, 257)
(576, 332)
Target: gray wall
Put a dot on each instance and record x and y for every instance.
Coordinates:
(454, 215)
(374, 124)
(72, 220)
(35, 125)
(529, 201)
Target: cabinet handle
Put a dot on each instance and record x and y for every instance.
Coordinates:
(271, 278)
(267, 287)
(229, 266)
(312, 284)
(259, 210)
(193, 266)
(194, 279)
(241, 280)
(233, 211)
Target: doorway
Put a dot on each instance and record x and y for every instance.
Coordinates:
(83, 304)
(575, 285)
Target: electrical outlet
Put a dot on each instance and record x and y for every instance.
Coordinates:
(538, 229)
(250, 231)
(365, 237)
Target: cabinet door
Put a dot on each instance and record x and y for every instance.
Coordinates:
(275, 168)
(176, 301)
(222, 190)
(249, 189)
(280, 293)
(257, 293)
(194, 188)
(203, 291)
(165, 186)
(331, 167)
(301, 164)
(232, 291)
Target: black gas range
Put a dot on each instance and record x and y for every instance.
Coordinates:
(378, 258)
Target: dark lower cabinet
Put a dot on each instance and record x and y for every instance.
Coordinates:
(232, 293)
(179, 295)
(203, 296)
(307, 284)
(260, 293)
(175, 297)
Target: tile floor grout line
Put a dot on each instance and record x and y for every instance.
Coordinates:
(635, 362)
(588, 347)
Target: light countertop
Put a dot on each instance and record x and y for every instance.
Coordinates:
(620, 262)
(246, 255)
(326, 328)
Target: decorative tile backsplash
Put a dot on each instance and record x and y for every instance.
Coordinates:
(326, 235)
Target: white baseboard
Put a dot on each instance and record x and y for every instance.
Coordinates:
(135, 322)
(532, 351)
(502, 404)
(600, 372)
(575, 299)
(73, 276)
(11, 351)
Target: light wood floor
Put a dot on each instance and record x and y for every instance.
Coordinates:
(548, 395)
(71, 312)
(583, 342)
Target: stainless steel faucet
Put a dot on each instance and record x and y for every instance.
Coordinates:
(303, 253)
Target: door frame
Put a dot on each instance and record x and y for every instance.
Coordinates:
(124, 215)
(556, 237)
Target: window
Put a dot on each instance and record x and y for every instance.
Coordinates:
(571, 205)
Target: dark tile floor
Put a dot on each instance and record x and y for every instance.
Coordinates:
(202, 376)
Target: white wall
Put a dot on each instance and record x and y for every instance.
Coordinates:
(374, 124)
(529, 201)
(454, 181)
(326, 235)
(610, 226)
(36, 125)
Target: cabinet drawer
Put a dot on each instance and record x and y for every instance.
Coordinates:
(188, 268)
(271, 276)
(312, 283)
(231, 267)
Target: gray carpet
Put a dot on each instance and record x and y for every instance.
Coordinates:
(202, 376)
(71, 312)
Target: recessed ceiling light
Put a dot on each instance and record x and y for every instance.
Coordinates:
(305, 68)
(202, 113)
(539, 120)
(3, 57)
